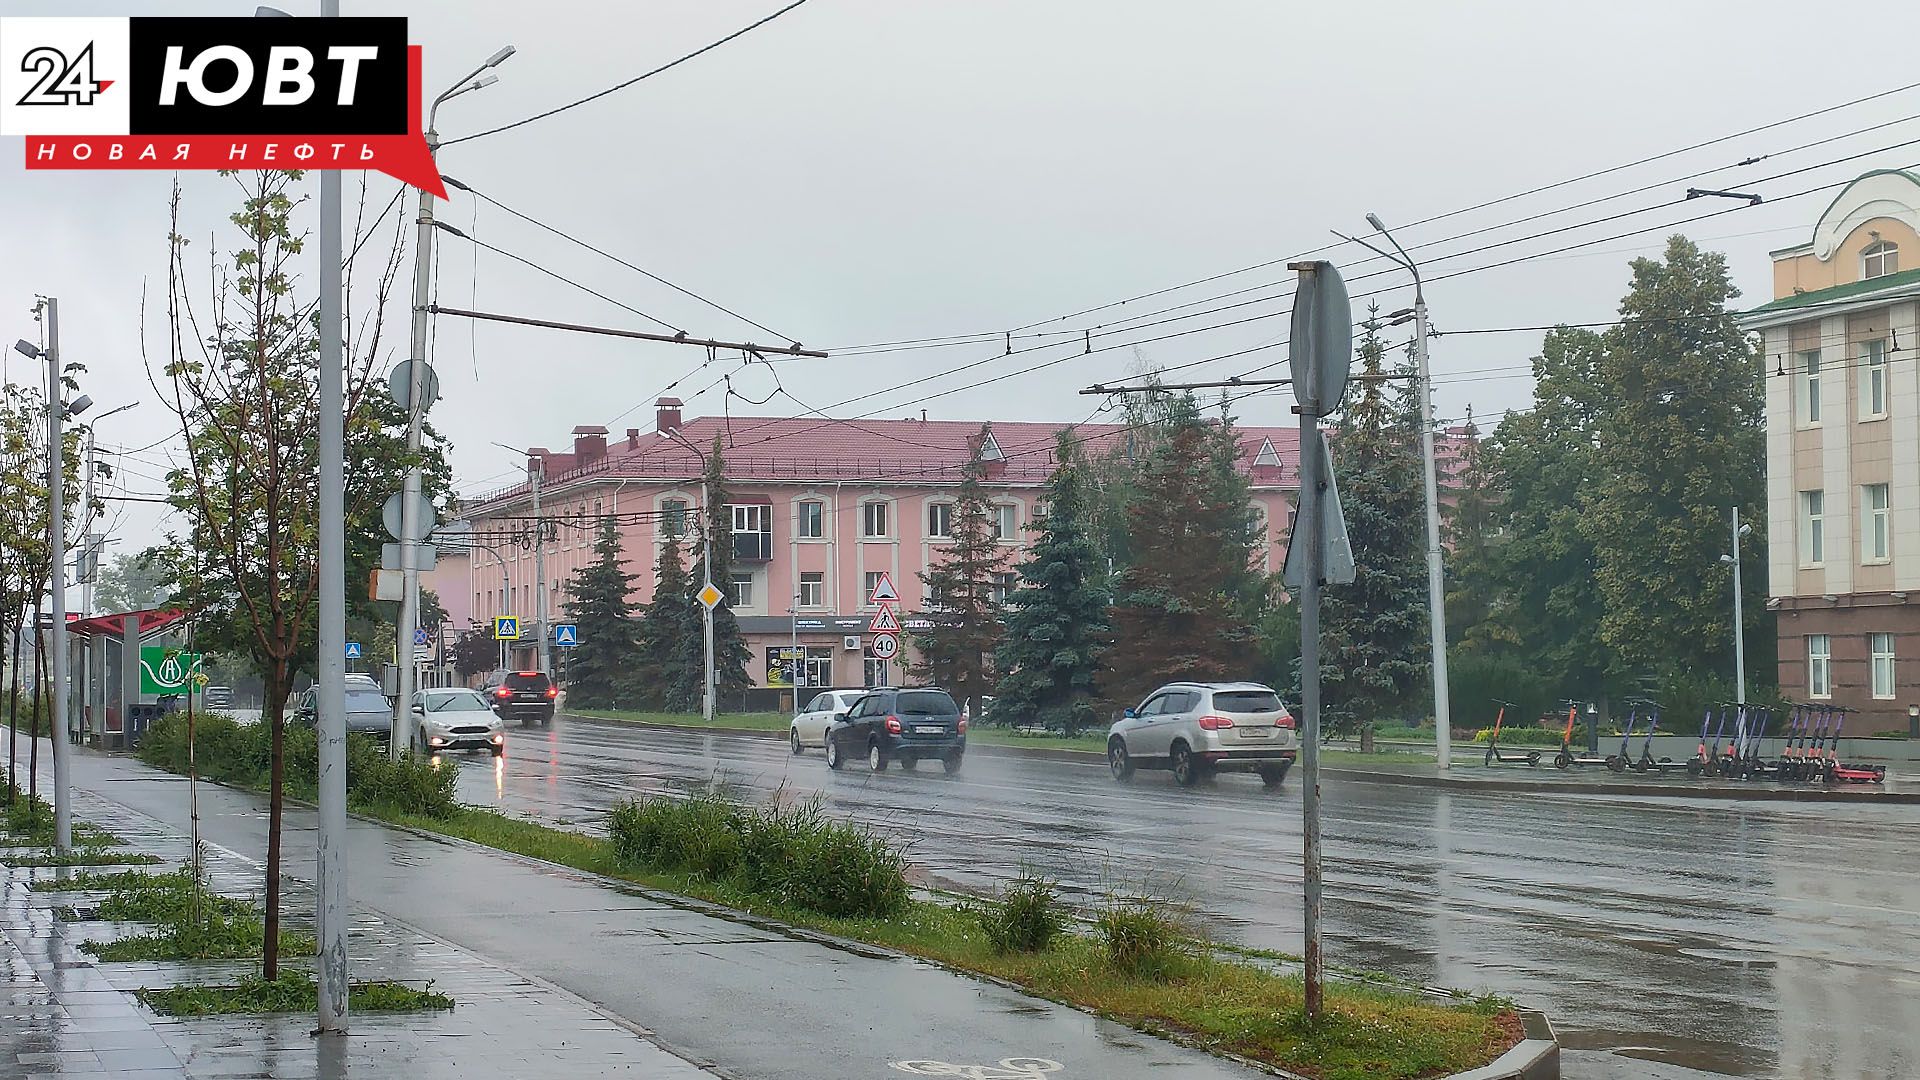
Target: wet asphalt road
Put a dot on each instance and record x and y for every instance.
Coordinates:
(1666, 938)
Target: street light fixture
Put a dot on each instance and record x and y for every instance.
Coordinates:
(1436, 572)
(48, 309)
(707, 688)
(416, 406)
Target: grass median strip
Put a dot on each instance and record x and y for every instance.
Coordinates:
(1175, 985)
(292, 992)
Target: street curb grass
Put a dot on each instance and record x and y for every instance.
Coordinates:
(1688, 790)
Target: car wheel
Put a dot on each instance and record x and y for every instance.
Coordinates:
(1119, 762)
(952, 763)
(793, 740)
(1186, 771)
(1272, 775)
(876, 757)
(909, 762)
(833, 753)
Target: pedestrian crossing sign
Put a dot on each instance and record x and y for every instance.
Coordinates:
(884, 622)
(353, 650)
(506, 628)
(566, 635)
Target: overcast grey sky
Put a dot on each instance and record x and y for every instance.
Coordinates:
(860, 171)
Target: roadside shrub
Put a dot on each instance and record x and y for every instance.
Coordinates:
(229, 752)
(1025, 917)
(412, 784)
(1142, 941)
(791, 855)
(1530, 735)
(1473, 682)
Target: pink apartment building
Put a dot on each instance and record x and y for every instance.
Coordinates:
(819, 510)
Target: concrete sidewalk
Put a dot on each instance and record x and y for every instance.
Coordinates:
(67, 1015)
(741, 998)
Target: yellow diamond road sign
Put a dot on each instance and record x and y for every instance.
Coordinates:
(710, 596)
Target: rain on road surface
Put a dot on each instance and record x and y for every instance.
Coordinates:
(1666, 938)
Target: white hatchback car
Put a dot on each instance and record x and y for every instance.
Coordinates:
(810, 725)
(455, 718)
(1195, 729)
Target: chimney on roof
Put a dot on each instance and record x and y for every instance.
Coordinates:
(589, 444)
(666, 416)
(633, 438)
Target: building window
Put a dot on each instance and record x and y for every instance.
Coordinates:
(1873, 379)
(869, 583)
(1003, 586)
(1819, 665)
(740, 594)
(1040, 511)
(939, 520)
(812, 520)
(1880, 664)
(752, 531)
(1812, 534)
(1880, 259)
(1873, 523)
(877, 672)
(1006, 521)
(813, 589)
(873, 520)
(1810, 394)
(673, 517)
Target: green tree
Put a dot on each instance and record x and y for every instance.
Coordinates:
(474, 652)
(672, 657)
(957, 647)
(1543, 463)
(1049, 658)
(1373, 646)
(601, 670)
(730, 653)
(1680, 441)
(1475, 584)
(132, 582)
(1177, 611)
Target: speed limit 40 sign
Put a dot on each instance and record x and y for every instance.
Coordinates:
(886, 646)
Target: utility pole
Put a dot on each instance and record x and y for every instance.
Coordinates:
(418, 384)
(330, 863)
(57, 551)
(1739, 620)
(1436, 573)
(707, 687)
(1307, 536)
(535, 468)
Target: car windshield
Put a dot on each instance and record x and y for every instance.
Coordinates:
(1246, 701)
(365, 699)
(527, 680)
(465, 701)
(925, 703)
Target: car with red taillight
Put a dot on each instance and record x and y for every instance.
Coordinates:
(1194, 730)
(907, 724)
(524, 696)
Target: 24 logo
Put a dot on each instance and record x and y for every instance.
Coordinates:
(61, 81)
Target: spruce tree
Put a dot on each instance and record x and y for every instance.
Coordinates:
(1176, 614)
(601, 672)
(1373, 645)
(671, 659)
(730, 653)
(1475, 586)
(956, 650)
(1049, 660)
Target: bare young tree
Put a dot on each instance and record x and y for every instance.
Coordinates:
(240, 373)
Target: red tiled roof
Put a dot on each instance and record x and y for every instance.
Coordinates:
(877, 451)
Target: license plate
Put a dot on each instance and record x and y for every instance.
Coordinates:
(929, 729)
(1256, 733)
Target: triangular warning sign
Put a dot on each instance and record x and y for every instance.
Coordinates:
(883, 591)
(884, 622)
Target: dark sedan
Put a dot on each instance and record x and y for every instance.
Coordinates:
(905, 725)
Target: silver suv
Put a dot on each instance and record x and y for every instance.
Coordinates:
(1195, 729)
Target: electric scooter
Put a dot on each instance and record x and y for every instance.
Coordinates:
(1497, 756)
(1789, 760)
(1836, 772)
(1620, 761)
(1750, 765)
(1706, 760)
(1810, 764)
(1567, 757)
(1646, 762)
(1731, 759)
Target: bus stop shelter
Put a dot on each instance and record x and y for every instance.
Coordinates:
(108, 706)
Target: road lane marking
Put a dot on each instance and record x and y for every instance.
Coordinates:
(1013, 1068)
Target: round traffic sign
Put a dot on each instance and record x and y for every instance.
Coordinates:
(400, 384)
(885, 646)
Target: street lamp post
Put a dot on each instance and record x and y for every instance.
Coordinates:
(1739, 620)
(706, 571)
(89, 550)
(417, 384)
(536, 469)
(1436, 572)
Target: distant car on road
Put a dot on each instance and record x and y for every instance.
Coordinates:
(809, 727)
(369, 712)
(524, 696)
(217, 697)
(455, 718)
(905, 724)
(1196, 729)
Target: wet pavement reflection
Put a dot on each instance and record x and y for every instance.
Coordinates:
(1667, 938)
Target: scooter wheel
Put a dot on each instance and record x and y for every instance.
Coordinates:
(1693, 768)
(1616, 763)
(1562, 759)
(1533, 758)
(1832, 775)
(1490, 755)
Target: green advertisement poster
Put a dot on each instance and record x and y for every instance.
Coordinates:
(166, 671)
